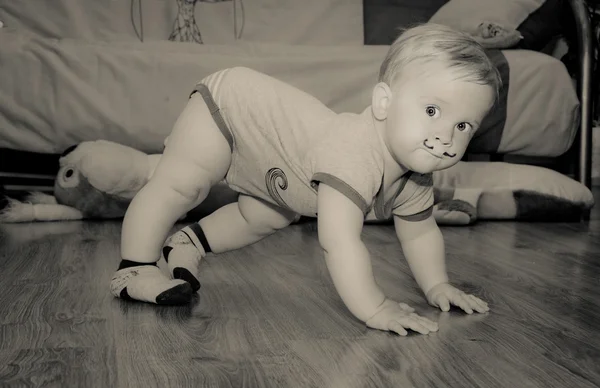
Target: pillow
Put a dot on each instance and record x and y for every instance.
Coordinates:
(90, 20)
(311, 22)
(471, 191)
(383, 18)
(493, 23)
(537, 101)
(306, 22)
(542, 25)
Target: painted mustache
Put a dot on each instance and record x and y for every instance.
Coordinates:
(445, 153)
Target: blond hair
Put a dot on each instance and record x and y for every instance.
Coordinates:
(433, 42)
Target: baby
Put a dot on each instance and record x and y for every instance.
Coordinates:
(288, 156)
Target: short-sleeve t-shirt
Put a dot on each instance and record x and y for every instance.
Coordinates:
(286, 142)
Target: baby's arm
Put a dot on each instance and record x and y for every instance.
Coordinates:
(423, 246)
(340, 224)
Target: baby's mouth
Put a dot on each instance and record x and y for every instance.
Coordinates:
(436, 155)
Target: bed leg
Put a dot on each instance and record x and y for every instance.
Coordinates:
(584, 90)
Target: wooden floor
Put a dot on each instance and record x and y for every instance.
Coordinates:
(268, 315)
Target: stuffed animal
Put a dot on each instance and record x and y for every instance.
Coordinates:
(507, 191)
(98, 179)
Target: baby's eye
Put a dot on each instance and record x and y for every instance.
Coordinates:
(463, 126)
(432, 111)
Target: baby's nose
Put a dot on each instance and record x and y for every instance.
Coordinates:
(445, 140)
(443, 134)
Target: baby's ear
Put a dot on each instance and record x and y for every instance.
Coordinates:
(381, 99)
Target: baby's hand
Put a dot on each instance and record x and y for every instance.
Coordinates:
(443, 295)
(398, 317)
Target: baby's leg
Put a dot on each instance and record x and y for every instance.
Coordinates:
(233, 226)
(196, 157)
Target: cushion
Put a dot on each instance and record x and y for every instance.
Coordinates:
(383, 18)
(542, 25)
(536, 25)
(493, 23)
(471, 191)
(538, 101)
(306, 22)
(319, 22)
(90, 20)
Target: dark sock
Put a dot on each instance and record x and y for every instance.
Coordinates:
(128, 263)
(191, 245)
(195, 227)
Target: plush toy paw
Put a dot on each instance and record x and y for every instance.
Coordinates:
(37, 207)
(492, 35)
(454, 212)
(147, 283)
(183, 252)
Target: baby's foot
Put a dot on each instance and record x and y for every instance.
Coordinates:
(183, 252)
(147, 283)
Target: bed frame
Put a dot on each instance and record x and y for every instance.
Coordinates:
(579, 157)
(585, 49)
(577, 161)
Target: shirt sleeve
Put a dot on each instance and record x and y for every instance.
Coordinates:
(415, 201)
(351, 164)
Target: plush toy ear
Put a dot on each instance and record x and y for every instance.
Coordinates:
(68, 150)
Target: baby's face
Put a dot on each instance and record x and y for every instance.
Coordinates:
(432, 117)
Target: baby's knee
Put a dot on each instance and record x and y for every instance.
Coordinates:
(188, 184)
(194, 194)
(264, 218)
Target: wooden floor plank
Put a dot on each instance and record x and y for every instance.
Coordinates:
(268, 315)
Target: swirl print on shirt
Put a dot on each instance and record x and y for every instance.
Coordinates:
(275, 178)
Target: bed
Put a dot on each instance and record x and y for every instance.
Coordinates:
(100, 70)
(544, 26)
